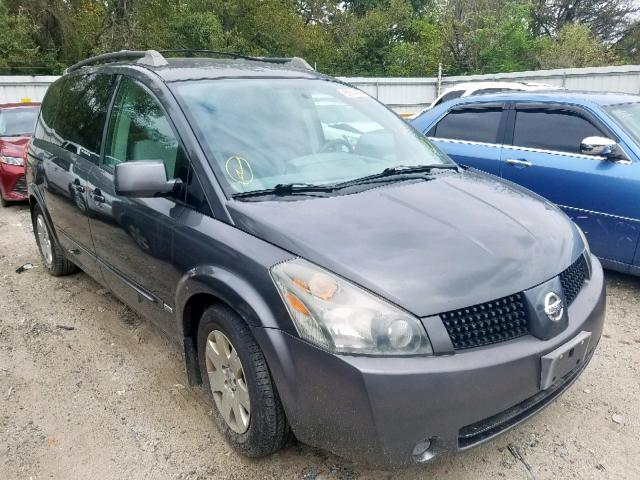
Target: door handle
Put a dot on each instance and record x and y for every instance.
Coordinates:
(97, 196)
(519, 163)
(77, 186)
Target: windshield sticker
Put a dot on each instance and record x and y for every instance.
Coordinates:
(352, 92)
(239, 170)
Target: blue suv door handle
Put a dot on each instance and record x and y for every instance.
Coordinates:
(519, 163)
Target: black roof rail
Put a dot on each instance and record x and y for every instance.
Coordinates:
(145, 57)
(294, 61)
(155, 58)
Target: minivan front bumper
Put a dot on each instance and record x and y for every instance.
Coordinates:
(376, 410)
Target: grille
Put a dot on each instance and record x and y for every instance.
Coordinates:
(573, 278)
(491, 322)
(21, 186)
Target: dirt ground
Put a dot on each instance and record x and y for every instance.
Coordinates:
(88, 390)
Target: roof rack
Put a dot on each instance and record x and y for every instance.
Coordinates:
(145, 57)
(294, 61)
(156, 58)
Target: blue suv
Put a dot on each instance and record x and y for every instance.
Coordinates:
(580, 150)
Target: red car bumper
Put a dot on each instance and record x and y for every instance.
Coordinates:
(13, 186)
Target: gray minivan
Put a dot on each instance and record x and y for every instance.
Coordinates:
(360, 290)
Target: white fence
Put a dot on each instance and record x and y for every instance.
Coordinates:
(24, 88)
(411, 95)
(408, 95)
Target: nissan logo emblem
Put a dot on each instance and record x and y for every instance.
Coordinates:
(553, 306)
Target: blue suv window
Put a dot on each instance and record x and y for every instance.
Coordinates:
(558, 130)
(473, 125)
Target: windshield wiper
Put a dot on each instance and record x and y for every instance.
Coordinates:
(399, 172)
(284, 189)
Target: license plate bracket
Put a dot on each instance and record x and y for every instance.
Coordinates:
(564, 359)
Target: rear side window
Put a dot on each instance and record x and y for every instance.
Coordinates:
(46, 128)
(82, 113)
(449, 96)
(558, 130)
(473, 125)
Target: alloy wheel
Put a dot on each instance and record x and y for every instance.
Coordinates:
(44, 241)
(227, 381)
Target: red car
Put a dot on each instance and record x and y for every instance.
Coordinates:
(17, 121)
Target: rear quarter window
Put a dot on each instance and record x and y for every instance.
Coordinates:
(473, 125)
(45, 127)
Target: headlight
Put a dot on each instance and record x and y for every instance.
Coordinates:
(338, 316)
(11, 160)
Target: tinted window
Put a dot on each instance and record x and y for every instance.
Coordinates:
(559, 130)
(477, 125)
(82, 114)
(139, 130)
(449, 96)
(45, 129)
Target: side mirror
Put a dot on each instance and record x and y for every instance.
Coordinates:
(143, 179)
(599, 146)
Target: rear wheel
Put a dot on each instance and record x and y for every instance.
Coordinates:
(246, 406)
(50, 252)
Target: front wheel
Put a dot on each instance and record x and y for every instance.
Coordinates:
(247, 409)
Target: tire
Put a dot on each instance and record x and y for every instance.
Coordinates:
(3, 202)
(50, 253)
(267, 428)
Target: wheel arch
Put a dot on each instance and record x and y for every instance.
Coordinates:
(35, 199)
(208, 285)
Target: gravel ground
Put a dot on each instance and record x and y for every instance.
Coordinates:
(88, 390)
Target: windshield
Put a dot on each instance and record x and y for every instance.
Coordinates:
(628, 117)
(267, 132)
(18, 121)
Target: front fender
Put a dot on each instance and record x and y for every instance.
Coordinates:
(258, 310)
(257, 303)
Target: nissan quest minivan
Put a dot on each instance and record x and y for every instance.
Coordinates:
(359, 290)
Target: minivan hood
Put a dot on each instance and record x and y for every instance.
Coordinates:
(432, 246)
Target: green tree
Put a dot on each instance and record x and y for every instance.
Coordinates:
(608, 19)
(419, 53)
(575, 46)
(18, 50)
